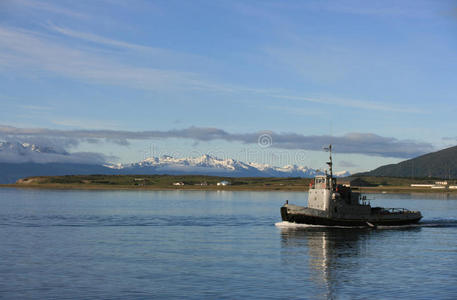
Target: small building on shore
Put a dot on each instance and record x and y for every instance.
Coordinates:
(423, 185)
(436, 185)
(224, 183)
(178, 183)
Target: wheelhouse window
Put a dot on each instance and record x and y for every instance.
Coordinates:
(320, 183)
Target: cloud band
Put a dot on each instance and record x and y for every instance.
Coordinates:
(357, 143)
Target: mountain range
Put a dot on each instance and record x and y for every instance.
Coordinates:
(210, 165)
(19, 160)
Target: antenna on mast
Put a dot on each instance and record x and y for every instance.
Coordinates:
(330, 163)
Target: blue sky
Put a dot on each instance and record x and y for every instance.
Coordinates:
(362, 74)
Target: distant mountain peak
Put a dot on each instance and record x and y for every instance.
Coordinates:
(19, 152)
(24, 148)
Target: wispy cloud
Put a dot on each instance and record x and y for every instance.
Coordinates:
(412, 9)
(329, 62)
(48, 7)
(369, 105)
(84, 123)
(100, 39)
(361, 143)
(34, 51)
(390, 8)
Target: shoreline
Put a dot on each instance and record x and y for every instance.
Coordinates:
(363, 190)
(153, 188)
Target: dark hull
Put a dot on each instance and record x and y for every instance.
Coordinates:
(316, 220)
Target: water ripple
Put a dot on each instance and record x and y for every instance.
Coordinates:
(439, 223)
(162, 220)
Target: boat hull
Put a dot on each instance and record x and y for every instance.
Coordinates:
(372, 220)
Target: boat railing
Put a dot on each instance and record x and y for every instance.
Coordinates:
(397, 210)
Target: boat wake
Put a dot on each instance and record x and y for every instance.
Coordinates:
(290, 225)
(438, 223)
(442, 223)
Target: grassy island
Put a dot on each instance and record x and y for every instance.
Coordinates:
(198, 182)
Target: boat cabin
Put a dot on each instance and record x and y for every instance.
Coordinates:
(325, 194)
(323, 182)
(319, 195)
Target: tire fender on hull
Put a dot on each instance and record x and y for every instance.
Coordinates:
(284, 215)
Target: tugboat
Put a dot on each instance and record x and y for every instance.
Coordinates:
(331, 204)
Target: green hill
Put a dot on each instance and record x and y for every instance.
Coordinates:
(440, 164)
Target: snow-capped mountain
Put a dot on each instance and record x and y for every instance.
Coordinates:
(210, 165)
(26, 148)
(19, 152)
(19, 160)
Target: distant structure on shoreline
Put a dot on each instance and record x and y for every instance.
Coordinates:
(224, 183)
(437, 185)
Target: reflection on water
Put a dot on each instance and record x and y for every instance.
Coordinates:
(440, 196)
(331, 255)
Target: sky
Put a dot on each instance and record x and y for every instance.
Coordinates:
(264, 81)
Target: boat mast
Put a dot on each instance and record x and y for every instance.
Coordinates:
(330, 163)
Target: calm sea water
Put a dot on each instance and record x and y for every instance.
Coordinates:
(215, 245)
